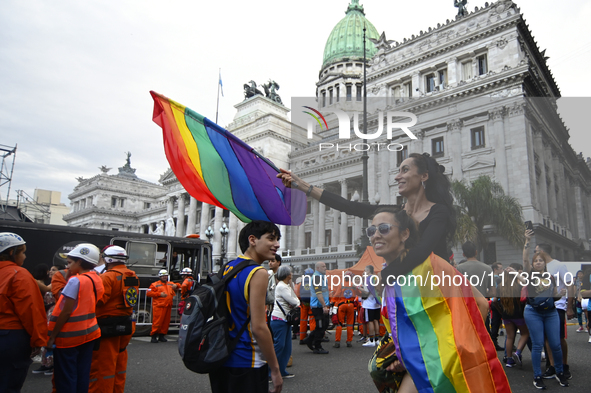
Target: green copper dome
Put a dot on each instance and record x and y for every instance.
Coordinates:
(346, 39)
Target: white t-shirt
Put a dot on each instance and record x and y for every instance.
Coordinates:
(558, 270)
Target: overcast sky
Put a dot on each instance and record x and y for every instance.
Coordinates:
(75, 75)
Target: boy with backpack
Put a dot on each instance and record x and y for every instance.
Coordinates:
(245, 370)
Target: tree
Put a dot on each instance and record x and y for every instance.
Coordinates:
(484, 202)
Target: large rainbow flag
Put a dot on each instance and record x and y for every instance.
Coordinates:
(217, 168)
(440, 336)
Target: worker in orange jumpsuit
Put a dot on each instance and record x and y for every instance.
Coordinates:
(109, 362)
(162, 293)
(344, 299)
(305, 310)
(186, 287)
(23, 322)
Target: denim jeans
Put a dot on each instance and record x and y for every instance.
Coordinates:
(282, 343)
(543, 324)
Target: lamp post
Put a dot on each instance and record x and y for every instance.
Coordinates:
(224, 232)
(364, 156)
(209, 233)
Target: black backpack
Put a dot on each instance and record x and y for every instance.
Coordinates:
(204, 342)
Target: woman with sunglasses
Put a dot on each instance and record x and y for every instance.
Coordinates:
(435, 332)
(428, 201)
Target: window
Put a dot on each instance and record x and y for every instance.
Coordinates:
(467, 71)
(349, 235)
(113, 202)
(402, 155)
(323, 98)
(308, 240)
(121, 202)
(338, 91)
(482, 65)
(329, 96)
(407, 89)
(327, 237)
(396, 92)
(309, 208)
(83, 203)
(211, 214)
(147, 205)
(349, 92)
(358, 86)
(490, 253)
(477, 137)
(430, 83)
(226, 213)
(437, 147)
(442, 78)
(348, 265)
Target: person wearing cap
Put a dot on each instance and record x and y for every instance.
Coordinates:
(73, 327)
(162, 293)
(113, 312)
(23, 323)
(344, 299)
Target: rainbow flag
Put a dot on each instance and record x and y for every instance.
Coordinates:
(217, 168)
(440, 336)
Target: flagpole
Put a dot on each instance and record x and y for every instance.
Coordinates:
(218, 102)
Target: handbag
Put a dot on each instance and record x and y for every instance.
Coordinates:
(292, 317)
(383, 356)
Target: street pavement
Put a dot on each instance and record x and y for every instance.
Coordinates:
(158, 368)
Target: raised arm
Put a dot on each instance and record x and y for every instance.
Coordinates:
(526, 264)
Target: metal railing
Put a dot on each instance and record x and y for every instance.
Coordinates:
(143, 311)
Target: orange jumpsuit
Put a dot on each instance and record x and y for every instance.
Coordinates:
(344, 299)
(186, 287)
(161, 306)
(58, 282)
(21, 304)
(306, 316)
(109, 362)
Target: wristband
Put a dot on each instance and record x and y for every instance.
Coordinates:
(309, 191)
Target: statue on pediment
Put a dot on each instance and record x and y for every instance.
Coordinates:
(159, 229)
(251, 90)
(271, 91)
(170, 229)
(461, 6)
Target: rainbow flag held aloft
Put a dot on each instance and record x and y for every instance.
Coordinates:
(440, 336)
(217, 168)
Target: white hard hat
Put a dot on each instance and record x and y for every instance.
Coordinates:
(162, 272)
(115, 254)
(9, 240)
(89, 252)
(187, 270)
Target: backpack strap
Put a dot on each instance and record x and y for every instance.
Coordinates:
(282, 310)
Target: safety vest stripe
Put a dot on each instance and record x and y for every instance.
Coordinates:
(109, 377)
(122, 372)
(77, 333)
(74, 319)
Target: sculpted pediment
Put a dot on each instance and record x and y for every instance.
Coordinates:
(477, 163)
(167, 177)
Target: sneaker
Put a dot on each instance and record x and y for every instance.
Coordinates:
(49, 372)
(505, 359)
(290, 362)
(364, 339)
(562, 379)
(539, 383)
(309, 343)
(42, 370)
(154, 339)
(544, 355)
(288, 376)
(369, 344)
(589, 339)
(320, 351)
(566, 371)
(337, 345)
(550, 373)
(517, 357)
(510, 362)
(349, 345)
(580, 329)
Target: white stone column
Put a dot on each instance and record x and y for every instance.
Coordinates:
(384, 188)
(180, 220)
(283, 240)
(343, 230)
(357, 229)
(316, 222)
(169, 207)
(497, 127)
(217, 236)
(452, 71)
(192, 216)
(302, 236)
(204, 219)
(232, 237)
(321, 224)
(334, 238)
(455, 147)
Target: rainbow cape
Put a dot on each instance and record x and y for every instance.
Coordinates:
(217, 168)
(440, 336)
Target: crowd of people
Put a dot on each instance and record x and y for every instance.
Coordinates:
(404, 323)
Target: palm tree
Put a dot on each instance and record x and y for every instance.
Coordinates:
(484, 202)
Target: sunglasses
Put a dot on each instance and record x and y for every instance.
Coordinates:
(384, 229)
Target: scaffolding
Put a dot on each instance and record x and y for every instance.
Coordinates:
(6, 170)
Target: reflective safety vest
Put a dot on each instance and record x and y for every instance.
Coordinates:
(121, 292)
(82, 326)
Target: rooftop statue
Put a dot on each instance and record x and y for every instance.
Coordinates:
(251, 91)
(271, 91)
(461, 6)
